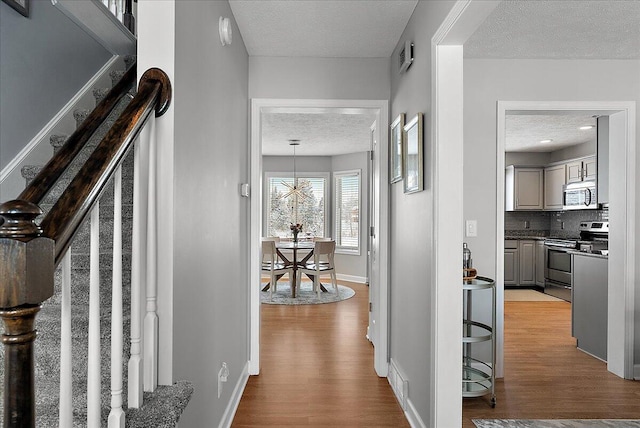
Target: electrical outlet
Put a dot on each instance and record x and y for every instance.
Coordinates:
(471, 228)
(223, 374)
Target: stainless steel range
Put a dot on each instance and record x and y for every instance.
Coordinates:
(557, 267)
(594, 237)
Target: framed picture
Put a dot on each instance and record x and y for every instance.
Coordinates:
(397, 135)
(22, 6)
(412, 155)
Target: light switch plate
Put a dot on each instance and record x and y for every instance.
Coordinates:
(471, 228)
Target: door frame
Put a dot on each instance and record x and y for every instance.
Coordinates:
(622, 188)
(381, 310)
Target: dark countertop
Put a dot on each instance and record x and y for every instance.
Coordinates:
(523, 237)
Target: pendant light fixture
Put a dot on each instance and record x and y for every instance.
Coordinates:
(295, 190)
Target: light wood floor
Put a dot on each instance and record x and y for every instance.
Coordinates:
(317, 370)
(547, 377)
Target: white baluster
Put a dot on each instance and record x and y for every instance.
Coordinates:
(151, 317)
(106, 3)
(113, 7)
(138, 260)
(66, 374)
(93, 374)
(120, 9)
(116, 416)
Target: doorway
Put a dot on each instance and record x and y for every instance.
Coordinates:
(620, 331)
(378, 287)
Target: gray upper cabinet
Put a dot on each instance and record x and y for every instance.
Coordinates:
(524, 188)
(554, 179)
(582, 169)
(603, 159)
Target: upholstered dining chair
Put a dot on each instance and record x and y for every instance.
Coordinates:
(323, 263)
(271, 265)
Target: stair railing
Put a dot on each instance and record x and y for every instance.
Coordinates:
(30, 252)
(123, 10)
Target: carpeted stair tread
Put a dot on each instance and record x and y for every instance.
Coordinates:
(29, 172)
(57, 141)
(162, 408)
(80, 115)
(100, 93)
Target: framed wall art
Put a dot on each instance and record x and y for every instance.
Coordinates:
(22, 6)
(412, 154)
(397, 135)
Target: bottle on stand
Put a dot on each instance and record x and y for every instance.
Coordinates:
(468, 272)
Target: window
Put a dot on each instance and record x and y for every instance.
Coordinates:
(308, 208)
(347, 211)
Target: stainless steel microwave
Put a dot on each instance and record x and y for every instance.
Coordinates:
(580, 195)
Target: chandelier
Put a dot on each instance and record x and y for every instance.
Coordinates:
(295, 190)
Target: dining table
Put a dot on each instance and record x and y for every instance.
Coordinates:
(305, 248)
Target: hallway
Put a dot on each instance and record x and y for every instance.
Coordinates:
(317, 370)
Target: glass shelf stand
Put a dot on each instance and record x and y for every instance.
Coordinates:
(478, 376)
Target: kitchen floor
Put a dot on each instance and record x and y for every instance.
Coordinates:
(528, 295)
(547, 377)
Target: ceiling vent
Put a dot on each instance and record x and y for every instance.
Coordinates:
(406, 56)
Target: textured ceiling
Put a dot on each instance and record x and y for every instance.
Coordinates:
(320, 134)
(559, 29)
(322, 28)
(524, 132)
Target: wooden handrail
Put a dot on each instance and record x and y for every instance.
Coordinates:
(29, 252)
(51, 172)
(75, 203)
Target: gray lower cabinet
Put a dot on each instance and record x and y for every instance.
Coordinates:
(527, 254)
(511, 262)
(589, 309)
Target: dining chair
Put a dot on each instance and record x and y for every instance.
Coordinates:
(271, 265)
(323, 263)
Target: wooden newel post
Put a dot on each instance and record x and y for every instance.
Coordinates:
(26, 280)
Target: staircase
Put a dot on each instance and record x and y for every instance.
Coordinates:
(163, 407)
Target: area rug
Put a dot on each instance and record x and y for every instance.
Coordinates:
(306, 296)
(557, 423)
(528, 295)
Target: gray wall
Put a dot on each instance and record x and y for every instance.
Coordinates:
(44, 60)
(346, 264)
(351, 264)
(211, 257)
(411, 246)
(486, 82)
(319, 78)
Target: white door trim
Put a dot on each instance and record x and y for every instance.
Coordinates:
(381, 311)
(622, 191)
(447, 178)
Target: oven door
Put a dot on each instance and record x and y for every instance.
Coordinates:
(557, 266)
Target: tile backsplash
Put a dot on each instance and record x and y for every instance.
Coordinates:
(563, 224)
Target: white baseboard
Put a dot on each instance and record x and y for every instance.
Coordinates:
(412, 416)
(400, 388)
(352, 278)
(67, 111)
(636, 371)
(236, 396)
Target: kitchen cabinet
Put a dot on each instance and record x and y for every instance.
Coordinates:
(524, 188)
(511, 262)
(540, 263)
(527, 265)
(589, 310)
(554, 179)
(582, 169)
